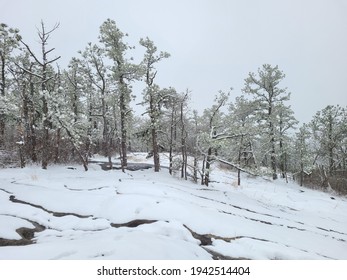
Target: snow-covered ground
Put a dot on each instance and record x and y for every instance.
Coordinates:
(145, 215)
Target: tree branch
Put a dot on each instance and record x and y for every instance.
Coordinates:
(29, 72)
(235, 166)
(55, 59)
(31, 53)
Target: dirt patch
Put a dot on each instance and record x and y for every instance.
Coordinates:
(206, 240)
(5, 191)
(218, 256)
(116, 166)
(55, 214)
(27, 235)
(134, 223)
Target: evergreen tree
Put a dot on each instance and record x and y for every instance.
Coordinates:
(153, 96)
(266, 92)
(284, 122)
(241, 121)
(123, 72)
(209, 140)
(329, 131)
(9, 41)
(303, 152)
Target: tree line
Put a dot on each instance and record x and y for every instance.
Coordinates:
(53, 115)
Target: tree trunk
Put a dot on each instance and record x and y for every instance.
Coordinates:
(47, 125)
(301, 173)
(331, 145)
(183, 147)
(57, 147)
(154, 135)
(2, 93)
(32, 121)
(203, 170)
(3, 76)
(2, 130)
(124, 159)
(45, 139)
(170, 160)
(208, 166)
(273, 152)
(283, 160)
(238, 170)
(239, 161)
(20, 144)
(195, 172)
(172, 127)
(155, 151)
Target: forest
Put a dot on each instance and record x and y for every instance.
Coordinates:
(50, 115)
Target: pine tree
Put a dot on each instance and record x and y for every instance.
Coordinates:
(241, 121)
(153, 96)
(267, 94)
(24, 96)
(284, 122)
(329, 131)
(124, 73)
(208, 141)
(101, 97)
(303, 152)
(9, 41)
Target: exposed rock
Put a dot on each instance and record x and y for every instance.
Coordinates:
(134, 223)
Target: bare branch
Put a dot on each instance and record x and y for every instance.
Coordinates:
(29, 72)
(55, 59)
(47, 52)
(31, 53)
(223, 136)
(235, 166)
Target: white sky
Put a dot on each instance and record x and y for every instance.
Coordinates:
(213, 43)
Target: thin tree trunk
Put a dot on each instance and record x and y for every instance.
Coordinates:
(154, 136)
(20, 143)
(183, 147)
(124, 159)
(45, 139)
(203, 171)
(195, 172)
(331, 152)
(301, 174)
(171, 140)
(2, 93)
(2, 130)
(239, 162)
(273, 152)
(155, 150)
(283, 160)
(57, 147)
(32, 123)
(208, 166)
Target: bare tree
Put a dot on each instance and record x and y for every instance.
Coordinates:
(44, 77)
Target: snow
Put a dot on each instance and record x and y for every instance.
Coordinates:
(85, 215)
(9, 231)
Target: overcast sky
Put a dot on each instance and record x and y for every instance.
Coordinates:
(214, 44)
